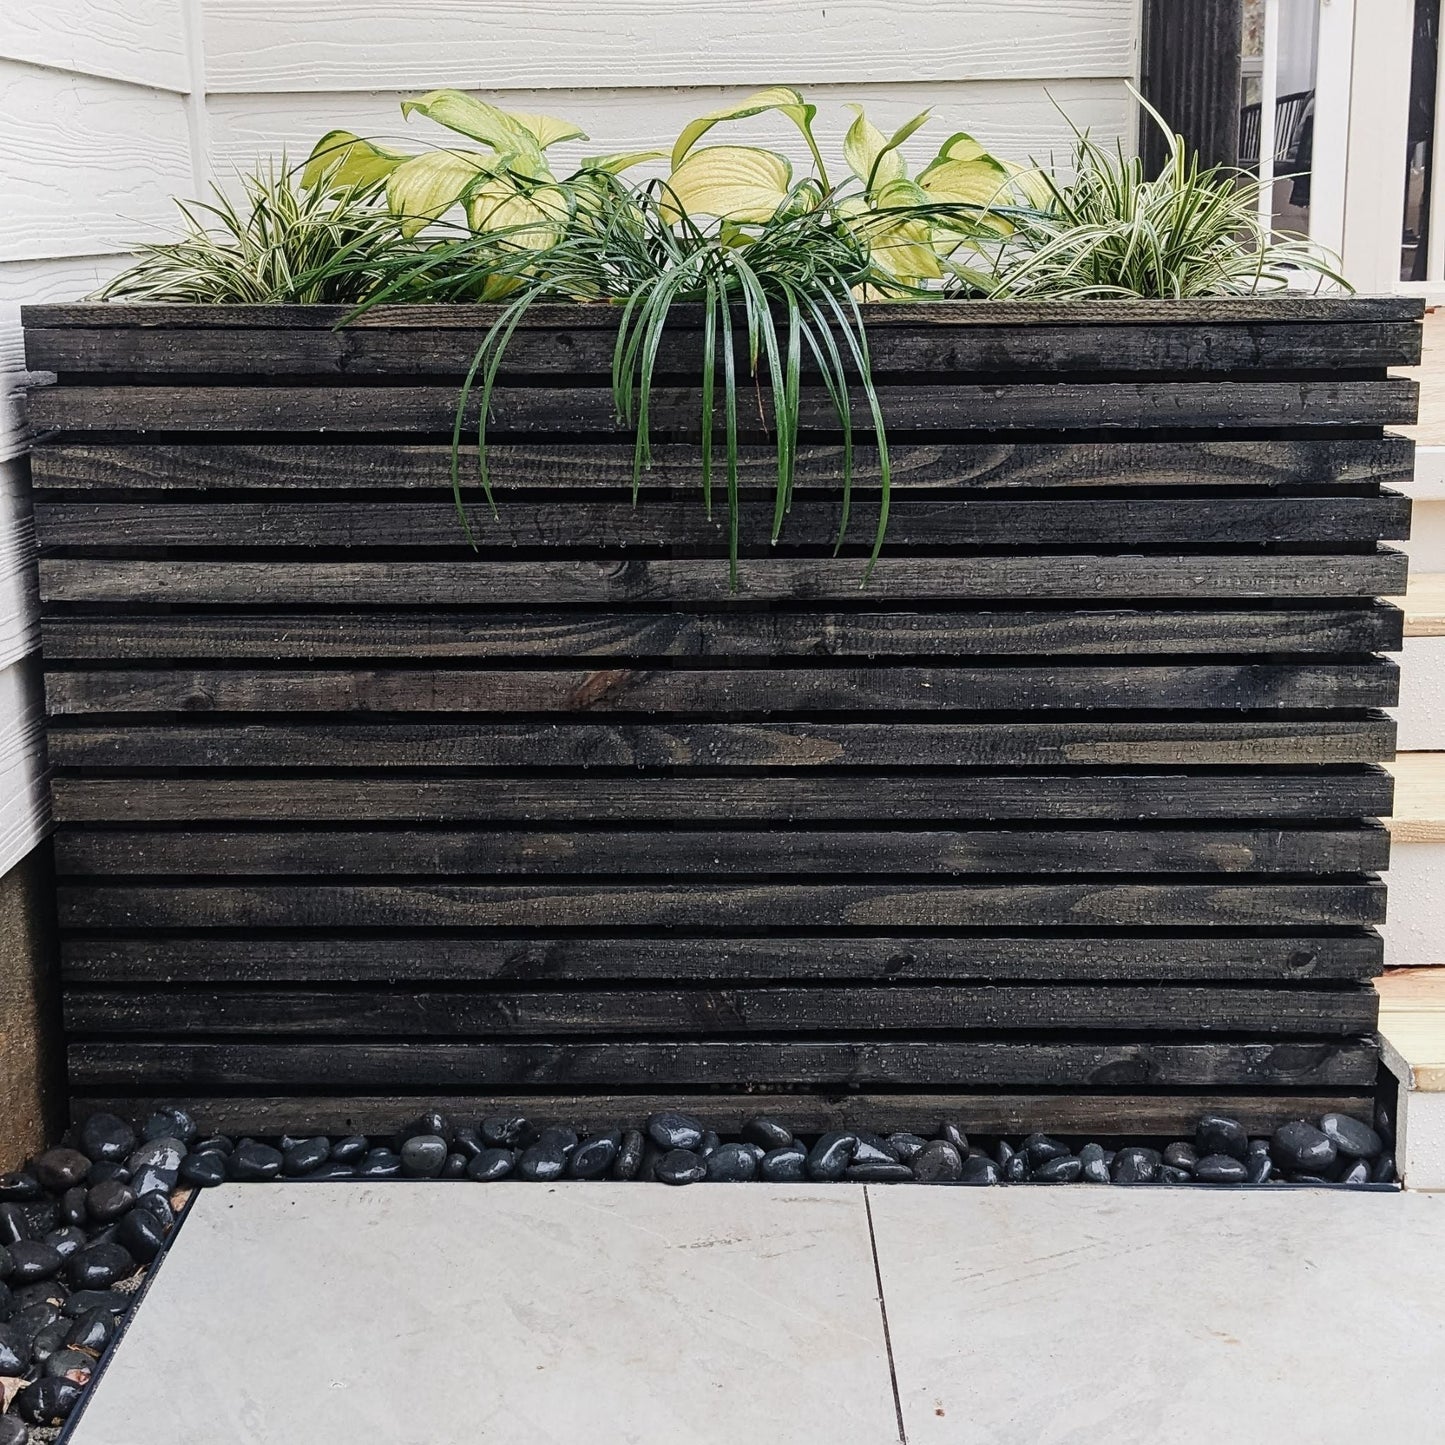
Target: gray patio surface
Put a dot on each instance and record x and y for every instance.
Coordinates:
(446, 1314)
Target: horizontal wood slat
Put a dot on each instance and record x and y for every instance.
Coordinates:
(220, 467)
(485, 582)
(890, 744)
(720, 852)
(569, 410)
(1167, 956)
(1310, 794)
(767, 691)
(443, 1013)
(913, 523)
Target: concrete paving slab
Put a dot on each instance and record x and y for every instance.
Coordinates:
(449, 1314)
(1188, 1316)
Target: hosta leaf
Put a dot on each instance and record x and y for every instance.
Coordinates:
(782, 98)
(530, 222)
(873, 157)
(548, 129)
(899, 241)
(964, 174)
(621, 161)
(345, 160)
(516, 146)
(733, 183)
(427, 186)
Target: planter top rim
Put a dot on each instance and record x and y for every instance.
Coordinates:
(572, 315)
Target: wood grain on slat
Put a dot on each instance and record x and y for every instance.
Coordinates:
(488, 582)
(856, 1060)
(563, 411)
(449, 1013)
(781, 690)
(719, 852)
(219, 467)
(745, 906)
(368, 351)
(913, 523)
(1310, 794)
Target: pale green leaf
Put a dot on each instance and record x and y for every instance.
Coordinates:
(346, 161)
(781, 98)
(515, 145)
(733, 183)
(862, 148)
(621, 161)
(530, 222)
(427, 186)
(548, 129)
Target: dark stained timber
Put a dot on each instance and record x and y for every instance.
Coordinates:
(1066, 819)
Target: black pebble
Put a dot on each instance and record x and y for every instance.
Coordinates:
(98, 1266)
(26, 1324)
(1093, 1164)
(681, 1166)
(1017, 1168)
(1258, 1168)
(66, 1241)
(349, 1150)
(1301, 1148)
(543, 1161)
(13, 1431)
(47, 1402)
(170, 1124)
(379, 1164)
(950, 1133)
(429, 1123)
(491, 1164)
(788, 1165)
(50, 1339)
(205, 1171)
(32, 1261)
(72, 1206)
(422, 1156)
(106, 1137)
(141, 1235)
(213, 1144)
(85, 1300)
(107, 1169)
(60, 1169)
(108, 1200)
(466, 1141)
(879, 1171)
(1003, 1151)
(907, 1147)
(732, 1164)
(1351, 1137)
(503, 1132)
(302, 1158)
(592, 1158)
(14, 1353)
(1136, 1165)
(671, 1131)
(829, 1158)
(18, 1187)
(1172, 1174)
(978, 1169)
(1358, 1172)
(253, 1163)
(767, 1133)
(454, 1168)
(1384, 1170)
(66, 1364)
(1061, 1169)
(870, 1149)
(6, 1265)
(937, 1163)
(1040, 1148)
(1219, 1134)
(629, 1155)
(1221, 1169)
(92, 1331)
(1182, 1156)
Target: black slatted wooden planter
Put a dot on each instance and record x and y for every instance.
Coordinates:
(1067, 818)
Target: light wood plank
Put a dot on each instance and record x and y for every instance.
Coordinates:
(1412, 1022)
(1419, 813)
(1424, 605)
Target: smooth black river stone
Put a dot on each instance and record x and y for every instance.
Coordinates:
(767, 1134)
(629, 1155)
(1040, 1148)
(1384, 1170)
(1258, 1168)
(1219, 1134)
(302, 1158)
(502, 1131)
(491, 1164)
(72, 1206)
(1093, 1164)
(870, 1149)
(92, 1331)
(168, 1123)
(27, 1323)
(379, 1164)
(41, 1216)
(455, 1166)
(50, 1339)
(106, 1137)
(711, 1140)
(1061, 1169)
(544, 1161)
(1350, 1136)
(979, 1169)
(1301, 1148)
(1017, 1168)
(558, 1135)
(592, 1158)
(907, 1147)
(731, 1164)
(466, 1141)
(350, 1150)
(85, 1300)
(1136, 1165)
(1182, 1155)
(162, 1154)
(671, 1131)
(1385, 1123)
(106, 1169)
(32, 1261)
(252, 1162)
(67, 1240)
(205, 1171)
(1003, 1151)
(68, 1364)
(99, 1265)
(1358, 1172)
(157, 1181)
(647, 1170)
(48, 1402)
(423, 1155)
(50, 1291)
(430, 1123)
(1221, 1169)
(937, 1162)
(831, 1155)
(14, 1353)
(212, 1144)
(681, 1166)
(19, 1187)
(108, 1201)
(879, 1171)
(141, 1235)
(7, 1301)
(950, 1133)
(788, 1165)
(6, 1263)
(158, 1206)
(13, 1430)
(1173, 1174)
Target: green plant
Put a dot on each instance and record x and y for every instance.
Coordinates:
(289, 241)
(1110, 230)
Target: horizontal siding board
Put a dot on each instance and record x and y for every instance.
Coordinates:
(998, 632)
(446, 583)
(442, 1013)
(891, 744)
(564, 411)
(717, 852)
(1313, 794)
(914, 523)
(221, 467)
(389, 958)
(765, 691)
(141, 41)
(606, 1064)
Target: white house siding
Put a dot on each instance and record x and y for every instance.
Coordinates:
(108, 108)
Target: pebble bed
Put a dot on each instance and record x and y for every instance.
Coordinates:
(82, 1222)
